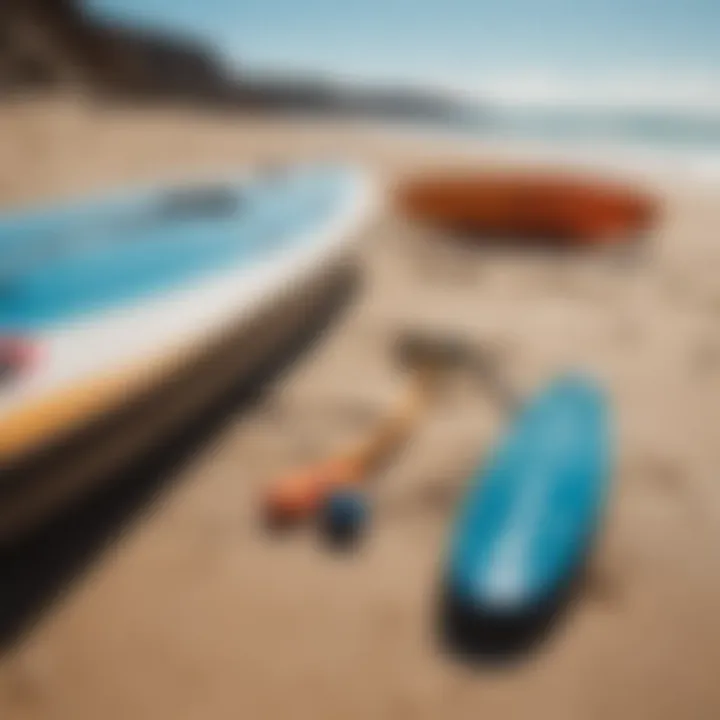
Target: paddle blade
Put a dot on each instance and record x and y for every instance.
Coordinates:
(300, 494)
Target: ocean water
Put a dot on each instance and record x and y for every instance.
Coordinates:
(681, 143)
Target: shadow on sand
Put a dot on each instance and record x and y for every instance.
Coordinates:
(631, 250)
(482, 639)
(38, 569)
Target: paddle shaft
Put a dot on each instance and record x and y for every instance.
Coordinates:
(397, 426)
(301, 493)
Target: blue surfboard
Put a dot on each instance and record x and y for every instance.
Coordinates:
(531, 511)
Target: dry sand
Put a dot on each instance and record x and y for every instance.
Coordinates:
(196, 613)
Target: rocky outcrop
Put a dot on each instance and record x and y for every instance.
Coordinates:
(53, 43)
(46, 44)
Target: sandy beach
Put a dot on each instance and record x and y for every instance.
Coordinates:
(195, 612)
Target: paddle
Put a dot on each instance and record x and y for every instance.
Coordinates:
(428, 357)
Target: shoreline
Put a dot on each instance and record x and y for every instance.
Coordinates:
(663, 170)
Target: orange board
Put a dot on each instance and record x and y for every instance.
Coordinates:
(537, 206)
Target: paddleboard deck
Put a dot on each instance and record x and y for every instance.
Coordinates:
(104, 302)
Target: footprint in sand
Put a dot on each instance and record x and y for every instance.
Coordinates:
(705, 357)
(659, 474)
(606, 578)
(626, 332)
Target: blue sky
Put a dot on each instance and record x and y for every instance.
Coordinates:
(520, 49)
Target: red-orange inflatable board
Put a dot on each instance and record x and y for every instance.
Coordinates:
(537, 206)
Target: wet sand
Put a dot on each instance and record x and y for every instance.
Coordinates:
(195, 612)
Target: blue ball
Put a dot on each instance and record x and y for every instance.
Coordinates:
(345, 514)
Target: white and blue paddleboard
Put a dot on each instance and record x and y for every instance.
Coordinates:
(531, 512)
(99, 298)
